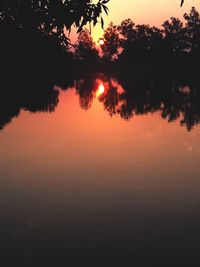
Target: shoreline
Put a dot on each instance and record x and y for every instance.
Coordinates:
(162, 70)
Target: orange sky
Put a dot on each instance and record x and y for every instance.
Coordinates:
(152, 12)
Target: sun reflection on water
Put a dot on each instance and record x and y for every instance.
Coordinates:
(101, 90)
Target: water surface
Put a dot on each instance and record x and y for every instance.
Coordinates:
(101, 170)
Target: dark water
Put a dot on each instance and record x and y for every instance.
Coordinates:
(100, 170)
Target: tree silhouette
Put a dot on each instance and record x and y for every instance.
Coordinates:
(48, 15)
(85, 49)
(175, 42)
(36, 29)
(139, 43)
(193, 33)
(111, 42)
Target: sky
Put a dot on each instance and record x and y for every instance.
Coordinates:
(152, 12)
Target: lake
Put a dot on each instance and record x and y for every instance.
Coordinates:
(100, 170)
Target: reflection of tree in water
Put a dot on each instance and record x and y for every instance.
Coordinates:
(124, 95)
(112, 97)
(85, 89)
(34, 93)
(167, 97)
(173, 99)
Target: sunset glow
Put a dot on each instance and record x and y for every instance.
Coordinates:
(153, 12)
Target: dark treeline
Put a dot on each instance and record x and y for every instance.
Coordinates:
(178, 41)
(34, 33)
(125, 96)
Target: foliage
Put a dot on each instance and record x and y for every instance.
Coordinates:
(111, 42)
(174, 39)
(49, 15)
(38, 27)
(85, 49)
(193, 31)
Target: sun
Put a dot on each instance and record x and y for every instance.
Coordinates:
(101, 42)
(101, 90)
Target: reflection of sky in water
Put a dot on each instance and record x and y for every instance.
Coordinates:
(88, 184)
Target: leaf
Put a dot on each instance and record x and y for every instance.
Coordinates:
(105, 9)
(102, 22)
(105, 1)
